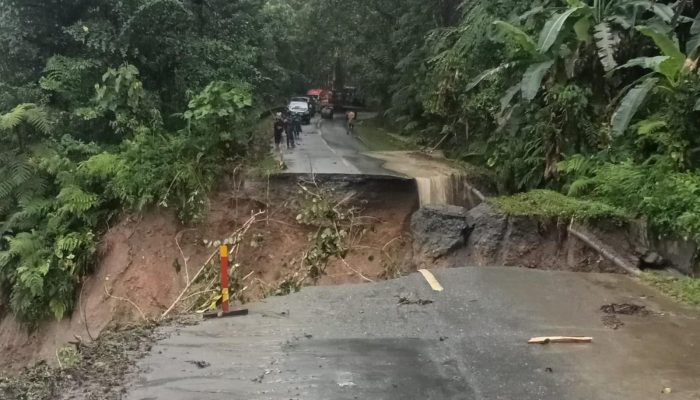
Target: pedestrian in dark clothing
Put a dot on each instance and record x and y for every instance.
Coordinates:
(278, 129)
(296, 120)
(289, 131)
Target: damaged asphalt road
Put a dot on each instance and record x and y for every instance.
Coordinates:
(357, 342)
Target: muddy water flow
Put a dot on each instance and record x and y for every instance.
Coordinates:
(437, 182)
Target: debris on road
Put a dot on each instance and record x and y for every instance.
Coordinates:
(404, 301)
(560, 339)
(99, 371)
(612, 322)
(625, 309)
(430, 278)
(200, 364)
(262, 376)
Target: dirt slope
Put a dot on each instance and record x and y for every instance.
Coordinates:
(141, 269)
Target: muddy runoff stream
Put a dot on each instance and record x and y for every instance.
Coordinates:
(437, 182)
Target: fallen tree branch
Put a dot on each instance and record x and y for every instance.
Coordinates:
(247, 276)
(476, 192)
(560, 339)
(240, 231)
(184, 259)
(356, 271)
(440, 142)
(143, 315)
(82, 308)
(177, 300)
(603, 251)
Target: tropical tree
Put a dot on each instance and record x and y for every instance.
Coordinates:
(668, 72)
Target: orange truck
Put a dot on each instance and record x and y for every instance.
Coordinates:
(324, 99)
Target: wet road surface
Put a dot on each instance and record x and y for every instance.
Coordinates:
(326, 148)
(357, 342)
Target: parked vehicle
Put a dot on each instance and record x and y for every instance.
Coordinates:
(308, 100)
(300, 109)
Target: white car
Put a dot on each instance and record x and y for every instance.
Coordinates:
(300, 108)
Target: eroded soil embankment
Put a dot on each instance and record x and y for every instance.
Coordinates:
(454, 228)
(146, 261)
(483, 236)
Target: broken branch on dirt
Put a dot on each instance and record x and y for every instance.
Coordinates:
(124, 299)
(607, 253)
(184, 258)
(238, 234)
(356, 271)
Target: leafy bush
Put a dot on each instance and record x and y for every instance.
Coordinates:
(670, 200)
(61, 192)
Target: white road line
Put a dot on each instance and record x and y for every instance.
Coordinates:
(434, 284)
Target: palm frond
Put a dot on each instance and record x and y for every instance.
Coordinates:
(630, 105)
(532, 79)
(605, 43)
(552, 29)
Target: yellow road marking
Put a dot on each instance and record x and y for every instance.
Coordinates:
(431, 280)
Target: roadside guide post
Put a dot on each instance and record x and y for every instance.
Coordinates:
(225, 295)
(223, 254)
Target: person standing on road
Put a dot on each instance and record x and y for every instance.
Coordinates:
(278, 129)
(296, 120)
(289, 131)
(350, 118)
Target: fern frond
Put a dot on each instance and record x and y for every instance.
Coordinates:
(14, 118)
(577, 164)
(581, 186)
(39, 119)
(101, 165)
(29, 113)
(65, 73)
(25, 245)
(74, 200)
(15, 171)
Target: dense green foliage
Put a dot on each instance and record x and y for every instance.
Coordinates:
(113, 105)
(596, 99)
(108, 105)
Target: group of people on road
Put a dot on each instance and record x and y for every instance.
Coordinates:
(289, 126)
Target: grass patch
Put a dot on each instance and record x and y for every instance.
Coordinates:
(377, 138)
(547, 204)
(264, 167)
(686, 290)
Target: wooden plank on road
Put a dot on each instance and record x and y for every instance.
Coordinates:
(434, 284)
